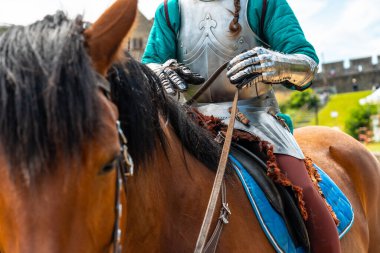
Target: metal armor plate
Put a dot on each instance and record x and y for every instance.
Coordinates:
(205, 43)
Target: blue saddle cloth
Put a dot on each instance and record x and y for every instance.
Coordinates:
(272, 223)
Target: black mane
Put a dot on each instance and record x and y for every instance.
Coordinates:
(47, 92)
(140, 98)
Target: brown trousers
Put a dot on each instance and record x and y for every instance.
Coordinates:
(321, 227)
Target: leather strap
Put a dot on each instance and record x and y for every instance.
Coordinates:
(262, 21)
(263, 13)
(218, 180)
(167, 15)
(222, 220)
(206, 85)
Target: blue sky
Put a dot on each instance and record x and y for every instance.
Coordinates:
(338, 29)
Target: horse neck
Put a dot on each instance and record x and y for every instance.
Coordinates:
(166, 200)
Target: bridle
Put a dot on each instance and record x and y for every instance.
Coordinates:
(124, 169)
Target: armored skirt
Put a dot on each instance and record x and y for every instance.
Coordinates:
(261, 112)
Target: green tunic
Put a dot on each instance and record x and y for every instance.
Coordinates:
(281, 31)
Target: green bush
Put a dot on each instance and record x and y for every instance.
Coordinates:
(300, 99)
(283, 107)
(359, 117)
(3, 29)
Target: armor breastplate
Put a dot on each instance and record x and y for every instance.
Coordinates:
(205, 43)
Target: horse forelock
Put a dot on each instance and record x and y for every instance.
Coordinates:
(141, 101)
(47, 92)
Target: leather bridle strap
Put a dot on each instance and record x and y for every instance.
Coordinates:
(166, 8)
(117, 247)
(123, 170)
(218, 179)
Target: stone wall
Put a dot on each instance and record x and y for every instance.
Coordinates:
(361, 74)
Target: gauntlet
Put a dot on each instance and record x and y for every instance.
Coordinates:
(175, 76)
(263, 65)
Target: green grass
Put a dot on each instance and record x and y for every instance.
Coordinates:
(341, 103)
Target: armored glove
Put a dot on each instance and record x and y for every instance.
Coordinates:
(175, 76)
(267, 66)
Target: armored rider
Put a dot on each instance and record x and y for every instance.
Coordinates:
(265, 46)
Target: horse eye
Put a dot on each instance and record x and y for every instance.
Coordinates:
(108, 167)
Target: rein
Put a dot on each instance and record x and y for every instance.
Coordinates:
(206, 85)
(225, 212)
(218, 180)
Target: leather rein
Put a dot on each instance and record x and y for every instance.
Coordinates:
(218, 181)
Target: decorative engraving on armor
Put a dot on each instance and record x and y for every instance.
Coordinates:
(207, 23)
(205, 43)
(209, 41)
(239, 44)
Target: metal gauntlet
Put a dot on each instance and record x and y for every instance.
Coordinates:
(175, 76)
(267, 66)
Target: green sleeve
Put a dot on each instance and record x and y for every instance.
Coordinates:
(288, 120)
(281, 29)
(161, 45)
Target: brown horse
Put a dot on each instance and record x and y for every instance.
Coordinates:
(58, 135)
(59, 141)
(167, 197)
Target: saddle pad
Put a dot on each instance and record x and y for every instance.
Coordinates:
(272, 223)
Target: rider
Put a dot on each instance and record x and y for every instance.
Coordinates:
(265, 46)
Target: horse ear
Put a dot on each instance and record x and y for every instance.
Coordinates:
(104, 38)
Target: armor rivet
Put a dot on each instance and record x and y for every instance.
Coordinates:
(241, 41)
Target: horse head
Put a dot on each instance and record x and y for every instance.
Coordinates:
(58, 135)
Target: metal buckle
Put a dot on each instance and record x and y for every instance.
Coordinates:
(225, 213)
(127, 158)
(220, 137)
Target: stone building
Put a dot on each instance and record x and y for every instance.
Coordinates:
(139, 36)
(361, 74)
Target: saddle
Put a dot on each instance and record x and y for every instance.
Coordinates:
(280, 197)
